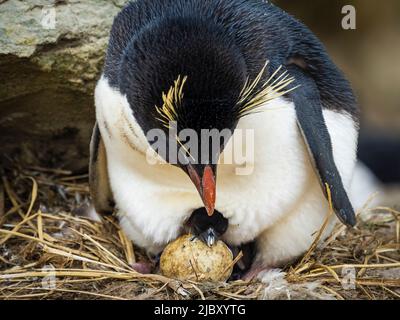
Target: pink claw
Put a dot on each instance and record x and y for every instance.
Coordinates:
(142, 267)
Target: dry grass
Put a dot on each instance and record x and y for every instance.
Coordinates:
(49, 251)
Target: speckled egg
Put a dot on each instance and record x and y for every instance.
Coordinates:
(188, 258)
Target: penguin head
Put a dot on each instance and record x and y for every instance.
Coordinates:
(189, 73)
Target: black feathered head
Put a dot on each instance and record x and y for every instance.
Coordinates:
(190, 73)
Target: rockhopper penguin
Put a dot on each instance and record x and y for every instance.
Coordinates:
(226, 65)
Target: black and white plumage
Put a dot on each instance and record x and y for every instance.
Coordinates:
(304, 140)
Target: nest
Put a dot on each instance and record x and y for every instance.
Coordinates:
(48, 250)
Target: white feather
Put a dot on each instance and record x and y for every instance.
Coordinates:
(278, 288)
(280, 203)
(365, 187)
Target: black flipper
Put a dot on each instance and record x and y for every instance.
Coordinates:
(99, 184)
(316, 136)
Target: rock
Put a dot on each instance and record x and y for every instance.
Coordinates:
(51, 54)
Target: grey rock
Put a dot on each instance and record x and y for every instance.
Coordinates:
(51, 54)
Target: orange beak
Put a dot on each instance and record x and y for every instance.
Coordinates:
(205, 184)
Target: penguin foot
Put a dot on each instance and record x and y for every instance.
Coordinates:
(142, 267)
(255, 272)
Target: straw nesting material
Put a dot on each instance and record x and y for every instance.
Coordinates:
(49, 251)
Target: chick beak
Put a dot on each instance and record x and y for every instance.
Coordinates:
(205, 184)
(209, 237)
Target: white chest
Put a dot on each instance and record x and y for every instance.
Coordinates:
(155, 200)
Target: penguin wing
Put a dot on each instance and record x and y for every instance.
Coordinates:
(99, 184)
(317, 139)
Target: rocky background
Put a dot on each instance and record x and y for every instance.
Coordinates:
(51, 54)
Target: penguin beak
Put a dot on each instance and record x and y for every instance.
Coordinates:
(203, 177)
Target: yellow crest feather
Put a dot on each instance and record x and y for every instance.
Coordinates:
(171, 102)
(169, 110)
(249, 100)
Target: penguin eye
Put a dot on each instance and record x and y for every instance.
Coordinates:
(298, 61)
